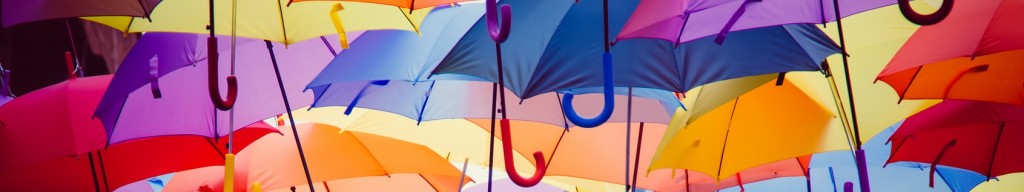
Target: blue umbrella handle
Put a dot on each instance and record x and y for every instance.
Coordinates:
(499, 31)
(510, 167)
(609, 100)
(925, 20)
(223, 105)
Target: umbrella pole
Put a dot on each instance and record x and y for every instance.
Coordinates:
(95, 180)
(103, 171)
(291, 118)
(74, 48)
(490, 161)
(629, 121)
(636, 161)
(862, 170)
(462, 179)
(995, 148)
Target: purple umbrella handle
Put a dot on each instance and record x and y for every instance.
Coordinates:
(154, 77)
(499, 31)
(609, 100)
(848, 187)
(212, 82)
(862, 171)
(925, 20)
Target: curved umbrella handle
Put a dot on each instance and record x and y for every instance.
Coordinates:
(223, 105)
(925, 20)
(510, 167)
(609, 100)
(499, 31)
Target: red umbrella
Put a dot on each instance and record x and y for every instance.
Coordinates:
(124, 163)
(974, 54)
(46, 134)
(983, 137)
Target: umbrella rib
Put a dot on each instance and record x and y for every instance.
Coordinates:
(103, 170)
(284, 31)
(686, 19)
(995, 148)
(905, 90)
(413, 24)
(726, 140)
(215, 148)
(92, 166)
(838, 101)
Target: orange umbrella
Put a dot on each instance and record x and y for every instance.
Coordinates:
(974, 54)
(579, 156)
(332, 155)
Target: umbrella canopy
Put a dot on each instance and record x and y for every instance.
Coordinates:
(680, 21)
(734, 133)
(563, 43)
(168, 64)
(191, 180)
(977, 136)
(407, 89)
(973, 55)
(17, 12)
(334, 155)
(269, 20)
(5, 89)
(125, 163)
(507, 185)
(576, 155)
(52, 122)
(408, 4)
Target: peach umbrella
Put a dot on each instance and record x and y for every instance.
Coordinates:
(332, 155)
(578, 156)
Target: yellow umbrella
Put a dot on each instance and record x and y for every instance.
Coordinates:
(270, 19)
(1006, 183)
(767, 124)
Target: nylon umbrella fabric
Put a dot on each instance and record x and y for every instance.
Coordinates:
(973, 54)
(754, 128)
(575, 155)
(408, 4)
(169, 63)
(407, 89)
(563, 39)
(688, 20)
(268, 20)
(334, 155)
(40, 151)
(872, 38)
(973, 135)
(18, 12)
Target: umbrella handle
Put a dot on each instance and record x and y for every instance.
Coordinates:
(338, 27)
(609, 100)
(224, 105)
(510, 167)
(925, 20)
(498, 31)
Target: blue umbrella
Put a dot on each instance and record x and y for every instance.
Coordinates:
(557, 45)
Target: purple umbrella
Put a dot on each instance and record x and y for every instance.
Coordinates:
(681, 21)
(24, 11)
(161, 83)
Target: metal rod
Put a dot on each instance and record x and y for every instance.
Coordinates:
(629, 121)
(490, 160)
(636, 161)
(291, 118)
(95, 180)
(103, 170)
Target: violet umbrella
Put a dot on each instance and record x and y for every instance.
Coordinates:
(156, 85)
(24, 11)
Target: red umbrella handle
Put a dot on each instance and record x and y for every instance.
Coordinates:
(499, 31)
(925, 20)
(212, 82)
(510, 167)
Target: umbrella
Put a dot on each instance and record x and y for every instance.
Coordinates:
(140, 95)
(39, 151)
(18, 12)
(973, 135)
(754, 128)
(400, 85)
(125, 163)
(579, 157)
(568, 42)
(507, 185)
(269, 20)
(684, 21)
(337, 155)
(409, 4)
(973, 55)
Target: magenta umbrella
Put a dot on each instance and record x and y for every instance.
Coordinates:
(24, 11)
